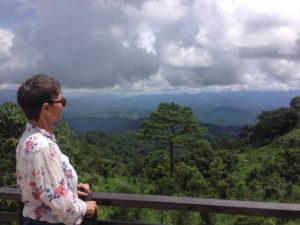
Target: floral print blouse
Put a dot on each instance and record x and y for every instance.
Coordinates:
(46, 179)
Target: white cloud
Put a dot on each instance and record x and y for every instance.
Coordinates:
(174, 54)
(164, 10)
(7, 62)
(158, 11)
(154, 83)
(248, 23)
(261, 81)
(284, 39)
(146, 41)
(273, 74)
(6, 40)
(285, 70)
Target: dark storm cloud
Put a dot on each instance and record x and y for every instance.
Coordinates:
(260, 52)
(262, 22)
(151, 44)
(74, 42)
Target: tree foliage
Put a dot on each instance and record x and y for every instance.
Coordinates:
(12, 121)
(12, 124)
(295, 103)
(224, 168)
(156, 165)
(66, 140)
(171, 126)
(274, 123)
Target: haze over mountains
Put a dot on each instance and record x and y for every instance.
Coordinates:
(115, 112)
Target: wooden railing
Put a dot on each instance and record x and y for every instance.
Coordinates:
(170, 203)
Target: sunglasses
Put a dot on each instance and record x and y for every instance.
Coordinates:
(63, 101)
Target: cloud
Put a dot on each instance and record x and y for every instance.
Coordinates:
(158, 11)
(153, 44)
(146, 41)
(24, 6)
(185, 57)
(9, 62)
(6, 38)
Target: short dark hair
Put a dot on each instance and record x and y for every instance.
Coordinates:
(36, 91)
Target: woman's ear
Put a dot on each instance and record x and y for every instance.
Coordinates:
(45, 109)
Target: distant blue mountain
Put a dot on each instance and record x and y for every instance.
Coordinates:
(108, 124)
(121, 124)
(229, 109)
(8, 96)
(223, 108)
(220, 108)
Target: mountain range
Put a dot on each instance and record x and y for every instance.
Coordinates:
(118, 112)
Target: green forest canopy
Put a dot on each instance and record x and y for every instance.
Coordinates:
(263, 164)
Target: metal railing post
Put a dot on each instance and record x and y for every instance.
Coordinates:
(20, 206)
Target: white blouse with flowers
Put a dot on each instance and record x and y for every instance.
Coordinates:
(46, 179)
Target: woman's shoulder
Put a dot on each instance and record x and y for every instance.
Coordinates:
(36, 142)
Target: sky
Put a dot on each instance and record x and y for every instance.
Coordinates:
(152, 45)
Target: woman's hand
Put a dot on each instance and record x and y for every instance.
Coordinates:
(91, 208)
(84, 189)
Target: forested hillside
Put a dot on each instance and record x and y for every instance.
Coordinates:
(171, 155)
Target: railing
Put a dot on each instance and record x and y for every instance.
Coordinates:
(171, 203)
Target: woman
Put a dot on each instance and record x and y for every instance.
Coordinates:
(47, 181)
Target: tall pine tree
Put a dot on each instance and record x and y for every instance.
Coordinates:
(171, 126)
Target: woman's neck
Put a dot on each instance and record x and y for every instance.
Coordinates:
(42, 124)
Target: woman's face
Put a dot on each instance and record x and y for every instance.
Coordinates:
(56, 109)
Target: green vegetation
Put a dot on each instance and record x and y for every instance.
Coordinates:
(170, 156)
(172, 126)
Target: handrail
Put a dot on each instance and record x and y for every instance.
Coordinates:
(250, 208)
